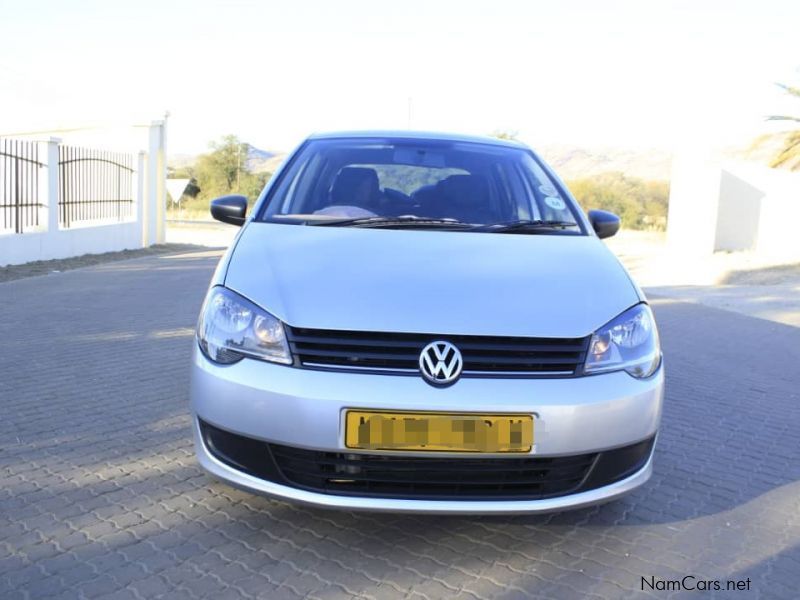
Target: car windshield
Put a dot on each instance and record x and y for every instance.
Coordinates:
(419, 183)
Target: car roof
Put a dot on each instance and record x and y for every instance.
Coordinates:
(417, 135)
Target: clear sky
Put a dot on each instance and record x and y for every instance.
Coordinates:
(613, 73)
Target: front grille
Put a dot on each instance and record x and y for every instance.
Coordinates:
(399, 352)
(425, 477)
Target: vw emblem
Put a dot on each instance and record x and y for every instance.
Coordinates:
(440, 363)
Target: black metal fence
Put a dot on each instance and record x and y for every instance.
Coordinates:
(20, 200)
(94, 185)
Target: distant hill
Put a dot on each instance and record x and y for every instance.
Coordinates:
(261, 161)
(179, 161)
(258, 161)
(572, 162)
(258, 154)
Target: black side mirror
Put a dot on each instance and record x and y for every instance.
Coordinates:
(229, 209)
(604, 223)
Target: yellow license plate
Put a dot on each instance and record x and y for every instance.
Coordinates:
(451, 432)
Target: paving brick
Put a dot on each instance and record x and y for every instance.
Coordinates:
(100, 494)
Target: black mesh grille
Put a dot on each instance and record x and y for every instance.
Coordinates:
(421, 477)
(426, 477)
(399, 352)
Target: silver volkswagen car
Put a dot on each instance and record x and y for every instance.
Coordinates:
(416, 322)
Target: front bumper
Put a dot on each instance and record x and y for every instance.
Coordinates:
(305, 409)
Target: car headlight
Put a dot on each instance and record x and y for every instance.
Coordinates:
(628, 342)
(231, 327)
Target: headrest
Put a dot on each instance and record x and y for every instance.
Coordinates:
(349, 180)
(464, 188)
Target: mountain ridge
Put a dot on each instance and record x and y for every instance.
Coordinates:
(569, 161)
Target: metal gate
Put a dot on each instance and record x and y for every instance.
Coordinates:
(20, 202)
(94, 186)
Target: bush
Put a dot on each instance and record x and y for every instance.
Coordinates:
(639, 203)
(220, 172)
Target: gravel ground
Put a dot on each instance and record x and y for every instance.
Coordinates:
(779, 274)
(45, 267)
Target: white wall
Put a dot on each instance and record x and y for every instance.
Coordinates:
(738, 213)
(45, 245)
(693, 198)
(717, 205)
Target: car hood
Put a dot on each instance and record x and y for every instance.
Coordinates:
(443, 282)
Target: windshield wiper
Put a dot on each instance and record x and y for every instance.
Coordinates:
(402, 221)
(525, 226)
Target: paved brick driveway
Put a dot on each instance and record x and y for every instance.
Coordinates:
(100, 494)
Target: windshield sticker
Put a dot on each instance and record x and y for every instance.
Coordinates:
(555, 203)
(548, 190)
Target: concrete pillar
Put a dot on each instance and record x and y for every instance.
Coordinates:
(52, 181)
(140, 195)
(155, 215)
(162, 184)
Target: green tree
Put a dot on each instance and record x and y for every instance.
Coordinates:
(220, 171)
(224, 171)
(185, 172)
(505, 134)
(251, 185)
(790, 154)
(640, 204)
